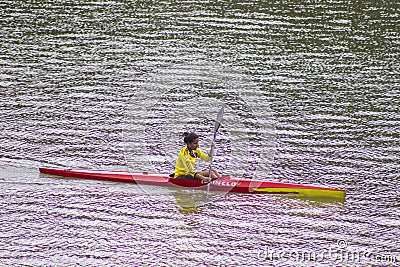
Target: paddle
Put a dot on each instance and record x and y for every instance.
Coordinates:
(216, 127)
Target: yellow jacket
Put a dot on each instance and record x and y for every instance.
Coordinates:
(185, 163)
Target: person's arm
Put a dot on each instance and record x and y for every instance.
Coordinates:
(206, 156)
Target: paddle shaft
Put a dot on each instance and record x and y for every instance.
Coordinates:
(212, 157)
(216, 127)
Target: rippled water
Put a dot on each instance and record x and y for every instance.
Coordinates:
(311, 94)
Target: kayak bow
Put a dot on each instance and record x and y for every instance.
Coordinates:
(224, 184)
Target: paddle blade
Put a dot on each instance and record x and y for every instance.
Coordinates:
(218, 120)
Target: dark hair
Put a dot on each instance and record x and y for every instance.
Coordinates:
(189, 137)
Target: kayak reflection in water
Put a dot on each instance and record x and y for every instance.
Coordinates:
(184, 168)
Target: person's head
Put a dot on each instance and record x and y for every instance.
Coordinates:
(191, 140)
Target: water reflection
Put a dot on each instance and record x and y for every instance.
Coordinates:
(190, 201)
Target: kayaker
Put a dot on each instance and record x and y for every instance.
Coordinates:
(184, 168)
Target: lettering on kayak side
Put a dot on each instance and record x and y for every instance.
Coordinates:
(224, 183)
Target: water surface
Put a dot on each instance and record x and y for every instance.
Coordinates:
(311, 95)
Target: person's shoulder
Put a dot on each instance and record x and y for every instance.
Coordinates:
(183, 150)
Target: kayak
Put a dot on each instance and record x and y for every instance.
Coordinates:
(224, 184)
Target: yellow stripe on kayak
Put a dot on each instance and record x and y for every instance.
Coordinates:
(304, 192)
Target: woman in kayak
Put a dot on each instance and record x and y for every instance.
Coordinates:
(184, 168)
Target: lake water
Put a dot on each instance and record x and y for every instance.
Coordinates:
(311, 92)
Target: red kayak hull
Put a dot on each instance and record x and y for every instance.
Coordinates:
(224, 184)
